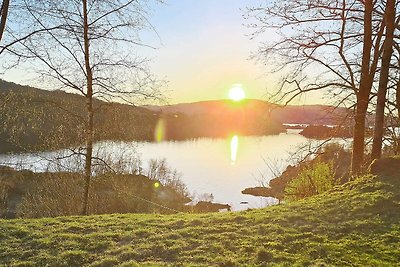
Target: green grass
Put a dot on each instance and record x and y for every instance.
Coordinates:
(357, 224)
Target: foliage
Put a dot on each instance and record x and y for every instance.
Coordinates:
(52, 195)
(356, 224)
(159, 171)
(32, 119)
(332, 154)
(33, 195)
(313, 180)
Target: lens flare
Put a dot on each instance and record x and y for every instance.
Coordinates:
(234, 148)
(159, 133)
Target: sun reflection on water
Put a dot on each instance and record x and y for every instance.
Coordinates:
(234, 148)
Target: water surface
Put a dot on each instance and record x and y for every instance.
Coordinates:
(223, 167)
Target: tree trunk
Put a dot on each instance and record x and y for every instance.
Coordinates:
(398, 99)
(4, 14)
(89, 109)
(363, 93)
(390, 16)
(397, 148)
(359, 137)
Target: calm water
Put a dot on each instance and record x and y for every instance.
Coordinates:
(212, 166)
(223, 167)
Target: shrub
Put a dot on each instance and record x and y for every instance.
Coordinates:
(60, 194)
(312, 180)
(52, 195)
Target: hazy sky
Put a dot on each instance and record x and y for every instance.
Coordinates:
(205, 49)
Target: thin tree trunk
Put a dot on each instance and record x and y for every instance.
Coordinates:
(89, 109)
(397, 151)
(359, 137)
(4, 14)
(398, 99)
(363, 94)
(390, 16)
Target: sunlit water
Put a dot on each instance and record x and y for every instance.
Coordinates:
(223, 167)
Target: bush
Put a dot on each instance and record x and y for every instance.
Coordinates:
(312, 180)
(52, 195)
(61, 194)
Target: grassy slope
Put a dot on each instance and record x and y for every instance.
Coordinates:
(357, 224)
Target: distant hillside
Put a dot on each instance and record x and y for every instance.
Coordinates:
(307, 114)
(35, 119)
(218, 119)
(212, 107)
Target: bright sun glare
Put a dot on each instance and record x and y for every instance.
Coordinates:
(236, 93)
(234, 148)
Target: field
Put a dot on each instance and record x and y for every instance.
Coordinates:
(357, 224)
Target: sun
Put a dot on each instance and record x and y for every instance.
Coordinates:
(236, 93)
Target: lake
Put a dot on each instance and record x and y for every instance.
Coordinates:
(223, 167)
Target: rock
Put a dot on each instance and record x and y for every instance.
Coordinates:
(263, 192)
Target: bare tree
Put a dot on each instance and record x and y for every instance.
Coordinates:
(391, 137)
(88, 47)
(390, 21)
(365, 87)
(319, 48)
(3, 19)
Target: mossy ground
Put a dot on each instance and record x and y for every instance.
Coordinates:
(357, 224)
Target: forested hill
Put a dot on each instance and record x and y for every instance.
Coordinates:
(305, 114)
(35, 119)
